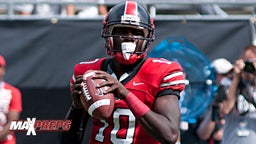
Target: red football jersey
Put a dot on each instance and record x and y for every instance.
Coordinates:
(10, 100)
(146, 82)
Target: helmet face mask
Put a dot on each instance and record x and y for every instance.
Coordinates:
(128, 31)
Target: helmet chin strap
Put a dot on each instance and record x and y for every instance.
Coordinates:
(128, 48)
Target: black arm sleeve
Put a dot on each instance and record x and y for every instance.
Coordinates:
(76, 131)
(169, 92)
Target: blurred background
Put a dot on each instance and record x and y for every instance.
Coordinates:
(43, 40)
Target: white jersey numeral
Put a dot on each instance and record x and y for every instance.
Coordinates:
(118, 113)
(161, 61)
(100, 136)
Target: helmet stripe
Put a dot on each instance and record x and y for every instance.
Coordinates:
(130, 8)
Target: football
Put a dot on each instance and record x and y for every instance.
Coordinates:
(94, 101)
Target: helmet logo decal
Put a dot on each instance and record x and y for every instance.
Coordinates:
(130, 14)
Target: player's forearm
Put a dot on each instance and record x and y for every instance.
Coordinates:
(74, 135)
(160, 128)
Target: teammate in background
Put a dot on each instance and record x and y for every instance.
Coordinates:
(239, 107)
(10, 106)
(211, 127)
(147, 90)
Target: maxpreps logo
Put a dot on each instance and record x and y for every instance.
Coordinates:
(31, 125)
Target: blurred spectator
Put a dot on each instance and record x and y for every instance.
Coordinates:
(239, 107)
(210, 9)
(91, 10)
(10, 106)
(223, 70)
(23, 9)
(45, 9)
(188, 131)
(211, 128)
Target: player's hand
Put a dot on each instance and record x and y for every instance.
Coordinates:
(76, 92)
(114, 85)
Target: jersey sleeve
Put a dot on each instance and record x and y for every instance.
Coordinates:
(16, 101)
(174, 78)
(82, 67)
(167, 77)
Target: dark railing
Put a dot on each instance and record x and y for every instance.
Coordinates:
(153, 5)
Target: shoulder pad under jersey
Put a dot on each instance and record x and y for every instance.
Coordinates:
(154, 70)
(82, 67)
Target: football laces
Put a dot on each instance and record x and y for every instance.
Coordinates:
(85, 91)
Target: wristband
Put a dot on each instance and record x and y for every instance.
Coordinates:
(136, 105)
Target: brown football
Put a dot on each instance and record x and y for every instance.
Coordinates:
(94, 101)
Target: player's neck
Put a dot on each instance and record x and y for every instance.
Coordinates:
(120, 69)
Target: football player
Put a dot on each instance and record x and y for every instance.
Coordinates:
(10, 106)
(147, 90)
